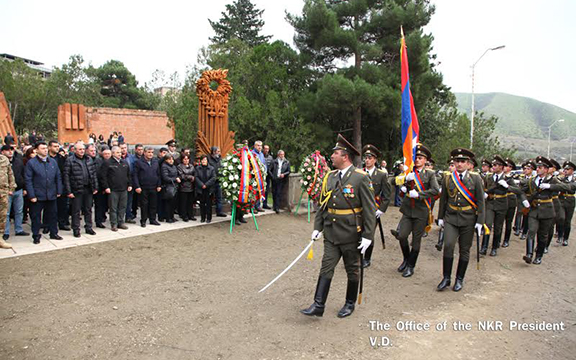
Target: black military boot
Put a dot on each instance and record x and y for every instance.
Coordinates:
(495, 246)
(460, 272)
(409, 271)
(368, 256)
(564, 242)
(529, 250)
(440, 242)
(485, 241)
(446, 271)
(351, 296)
(405, 253)
(317, 308)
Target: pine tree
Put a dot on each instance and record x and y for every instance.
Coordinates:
(242, 20)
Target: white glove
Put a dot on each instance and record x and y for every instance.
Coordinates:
(544, 186)
(410, 177)
(413, 194)
(440, 191)
(378, 214)
(556, 173)
(403, 189)
(316, 235)
(517, 182)
(364, 245)
(479, 228)
(485, 196)
(526, 203)
(441, 223)
(503, 183)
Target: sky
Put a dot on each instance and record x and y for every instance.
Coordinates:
(537, 61)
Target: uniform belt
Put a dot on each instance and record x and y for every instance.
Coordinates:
(510, 194)
(460, 208)
(573, 195)
(493, 196)
(543, 201)
(555, 197)
(344, 211)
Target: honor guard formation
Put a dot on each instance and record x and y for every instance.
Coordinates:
(485, 206)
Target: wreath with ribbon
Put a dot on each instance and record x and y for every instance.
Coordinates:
(312, 170)
(242, 178)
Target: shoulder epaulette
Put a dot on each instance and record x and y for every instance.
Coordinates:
(474, 173)
(361, 172)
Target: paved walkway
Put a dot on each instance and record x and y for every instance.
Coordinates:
(22, 245)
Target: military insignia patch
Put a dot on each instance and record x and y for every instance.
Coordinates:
(371, 186)
(348, 191)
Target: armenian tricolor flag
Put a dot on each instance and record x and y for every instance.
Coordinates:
(410, 127)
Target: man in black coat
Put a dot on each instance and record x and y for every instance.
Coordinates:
(215, 160)
(147, 184)
(279, 171)
(62, 202)
(101, 198)
(81, 183)
(116, 182)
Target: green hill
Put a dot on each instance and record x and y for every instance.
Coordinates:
(523, 122)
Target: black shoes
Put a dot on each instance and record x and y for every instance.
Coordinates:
(5, 237)
(56, 237)
(64, 227)
(565, 242)
(154, 222)
(409, 271)
(143, 224)
(22, 233)
(527, 258)
(351, 296)
(193, 218)
(130, 221)
(277, 211)
(45, 231)
(242, 220)
(90, 232)
(365, 263)
(403, 265)
(460, 272)
(538, 260)
(506, 243)
(394, 233)
(446, 272)
(221, 215)
(77, 233)
(493, 252)
(100, 226)
(317, 308)
(36, 239)
(546, 250)
(485, 241)
(411, 264)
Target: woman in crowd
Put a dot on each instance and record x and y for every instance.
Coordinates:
(205, 180)
(186, 198)
(170, 181)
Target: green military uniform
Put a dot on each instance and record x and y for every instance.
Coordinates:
(512, 202)
(541, 217)
(459, 217)
(382, 192)
(7, 185)
(568, 202)
(416, 213)
(346, 214)
(559, 214)
(496, 205)
(440, 178)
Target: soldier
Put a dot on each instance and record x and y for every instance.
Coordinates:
(7, 187)
(496, 188)
(382, 190)
(420, 186)
(528, 169)
(346, 216)
(461, 213)
(486, 166)
(512, 200)
(559, 215)
(568, 202)
(440, 178)
(539, 190)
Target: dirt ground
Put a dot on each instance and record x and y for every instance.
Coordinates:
(193, 294)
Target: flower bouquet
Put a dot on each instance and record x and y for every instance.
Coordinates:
(313, 171)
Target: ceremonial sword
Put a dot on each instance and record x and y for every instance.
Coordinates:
(289, 266)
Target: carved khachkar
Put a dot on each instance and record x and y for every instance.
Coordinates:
(213, 112)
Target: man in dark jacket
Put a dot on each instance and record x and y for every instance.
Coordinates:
(205, 180)
(101, 198)
(44, 186)
(16, 200)
(279, 171)
(147, 184)
(8, 139)
(269, 159)
(62, 202)
(81, 183)
(116, 182)
(215, 160)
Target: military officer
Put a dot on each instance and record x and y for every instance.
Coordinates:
(461, 213)
(496, 188)
(568, 202)
(443, 175)
(539, 191)
(528, 171)
(346, 217)
(558, 208)
(381, 186)
(512, 200)
(7, 187)
(486, 166)
(419, 186)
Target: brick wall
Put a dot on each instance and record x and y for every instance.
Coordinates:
(76, 122)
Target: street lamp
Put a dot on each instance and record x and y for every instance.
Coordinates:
(472, 114)
(549, 131)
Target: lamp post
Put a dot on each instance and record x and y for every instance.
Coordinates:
(549, 131)
(472, 114)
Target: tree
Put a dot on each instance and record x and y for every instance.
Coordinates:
(242, 20)
(365, 95)
(120, 88)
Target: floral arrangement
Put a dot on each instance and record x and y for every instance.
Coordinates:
(239, 166)
(313, 170)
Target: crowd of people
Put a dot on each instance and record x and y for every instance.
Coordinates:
(64, 187)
